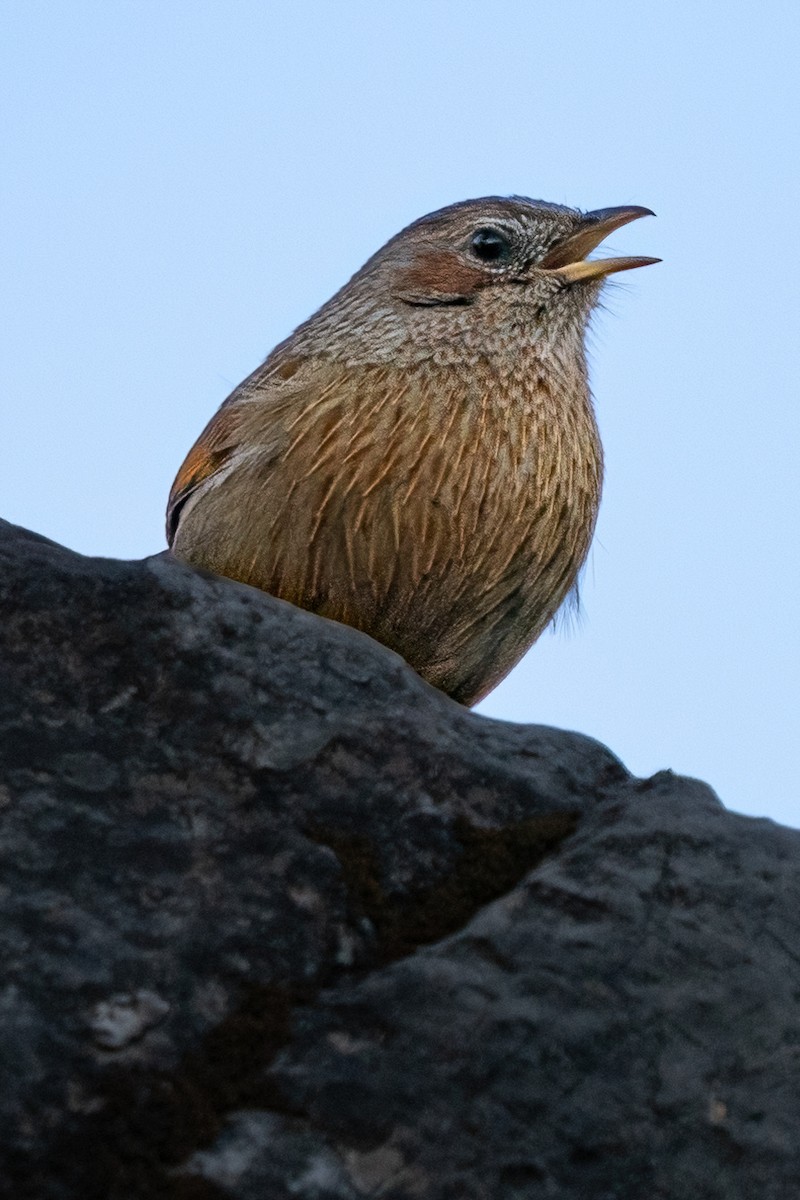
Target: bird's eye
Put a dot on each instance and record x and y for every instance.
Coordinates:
(490, 246)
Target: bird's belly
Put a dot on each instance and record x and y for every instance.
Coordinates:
(454, 548)
(477, 579)
(458, 579)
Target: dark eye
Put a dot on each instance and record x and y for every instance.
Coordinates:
(490, 246)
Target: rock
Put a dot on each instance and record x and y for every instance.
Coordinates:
(280, 920)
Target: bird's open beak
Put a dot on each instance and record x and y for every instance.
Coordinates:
(568, 257)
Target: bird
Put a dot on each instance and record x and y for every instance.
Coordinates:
(420, 459)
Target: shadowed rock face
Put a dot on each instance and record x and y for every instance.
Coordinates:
(280, 920)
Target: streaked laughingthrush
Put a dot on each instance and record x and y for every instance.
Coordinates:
(420, 459)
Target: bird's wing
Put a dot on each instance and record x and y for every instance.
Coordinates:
(253, 419)
(207, 457)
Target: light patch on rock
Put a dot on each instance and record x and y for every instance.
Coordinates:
(126, 1017)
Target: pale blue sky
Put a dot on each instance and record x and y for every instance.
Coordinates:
(184, 181)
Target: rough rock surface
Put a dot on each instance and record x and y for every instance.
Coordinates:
(279, 920)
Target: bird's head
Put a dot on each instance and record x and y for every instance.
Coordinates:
(525, 251)
(503, 270)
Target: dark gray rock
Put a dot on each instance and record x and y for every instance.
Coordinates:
(279, 920)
